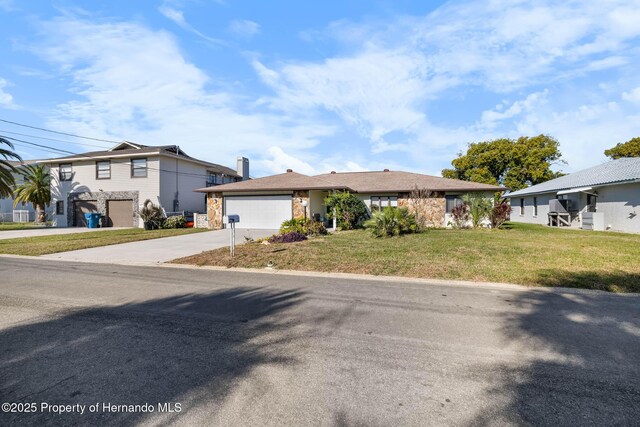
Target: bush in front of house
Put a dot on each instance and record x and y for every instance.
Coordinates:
(460, 215)
(499, 214)
(151, 214)
(176, 221)
(391, 222)
(307, 227)
(350, 212)
(291, 237)
(479, 207)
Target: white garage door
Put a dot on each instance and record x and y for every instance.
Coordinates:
(259, 211)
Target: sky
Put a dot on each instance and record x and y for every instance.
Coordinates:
(320, 86)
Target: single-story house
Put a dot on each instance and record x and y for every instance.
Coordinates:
(267, 202)
(116, 182)
(604, 197)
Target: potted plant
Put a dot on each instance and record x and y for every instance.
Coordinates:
(151, 215)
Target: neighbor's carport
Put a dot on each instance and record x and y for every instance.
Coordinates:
(261, 212)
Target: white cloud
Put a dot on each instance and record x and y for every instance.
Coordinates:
(6, 99)
(392, 73)
(177, 16)
(632, 95)
(490, 118)
(244, 28)
(156, 96)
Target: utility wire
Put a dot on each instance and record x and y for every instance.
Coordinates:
(56, 140)
(59, 133)
(59, 150)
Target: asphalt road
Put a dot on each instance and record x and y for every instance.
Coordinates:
(236, 348)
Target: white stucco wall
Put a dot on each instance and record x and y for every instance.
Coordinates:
(621, 207)
(620, 204)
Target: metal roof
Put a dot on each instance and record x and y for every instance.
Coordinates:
(618, 171)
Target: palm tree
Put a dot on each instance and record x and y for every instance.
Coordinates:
(6, 168)
(35, 190)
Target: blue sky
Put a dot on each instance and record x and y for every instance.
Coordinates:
(319, 86)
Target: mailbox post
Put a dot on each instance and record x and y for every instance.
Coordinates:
(232, 220)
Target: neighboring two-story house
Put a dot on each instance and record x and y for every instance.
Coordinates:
(116, 182)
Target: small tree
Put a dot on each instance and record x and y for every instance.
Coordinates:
(479, 207)
(499, 213)
(350, 212)
(6, 168)
(460, 215)
(151, 214)
(420, 200)
(36, 189)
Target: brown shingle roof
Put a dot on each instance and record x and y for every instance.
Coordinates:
(290, 181)
(357, 182)
(399, 181)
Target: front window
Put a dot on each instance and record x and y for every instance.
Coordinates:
(65, 172)
(60, 207)
(535, 206)
(381, 202)
(521, 206)
(103, 169)
(452, 202)
(138, 168)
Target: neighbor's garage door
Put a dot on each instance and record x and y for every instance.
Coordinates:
(81, 207)
(259, 211)
(120, 213)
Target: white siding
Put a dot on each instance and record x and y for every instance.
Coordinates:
(190, 176)
(528, 216)
(84, 180)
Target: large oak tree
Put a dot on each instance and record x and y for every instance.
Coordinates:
(630, 148)
(513, 163)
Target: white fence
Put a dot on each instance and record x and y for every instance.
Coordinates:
(18, 216)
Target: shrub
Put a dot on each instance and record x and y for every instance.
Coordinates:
(350, 212)
(499, 214)
(151, 214)
(315, 228)
(294, 236)
(307, 227)
(391, 222)
(460, 214)
(479, 207)
(177, 221)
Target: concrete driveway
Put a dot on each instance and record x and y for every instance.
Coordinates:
(50, 231)
(159, 250)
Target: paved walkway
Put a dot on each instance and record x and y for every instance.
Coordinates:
(50, 231)
(158, 250)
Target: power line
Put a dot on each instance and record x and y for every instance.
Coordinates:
(59, 133)
(59, 150)
(56, 140)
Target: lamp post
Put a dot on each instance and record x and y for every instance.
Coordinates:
(304, 205)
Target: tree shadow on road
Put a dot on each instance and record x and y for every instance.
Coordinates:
(587, 365)
(190, 349)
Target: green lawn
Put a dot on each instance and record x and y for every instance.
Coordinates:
(523, 254)
(69, 242)
(19, 226)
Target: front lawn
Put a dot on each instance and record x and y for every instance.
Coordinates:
(19, 226)
(524, 254)
(42, 245)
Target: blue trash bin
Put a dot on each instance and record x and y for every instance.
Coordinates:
(93, 219)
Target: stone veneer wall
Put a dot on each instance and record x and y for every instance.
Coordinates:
(434, 210)
(214, 210)
(298, 209)
(101, 199)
